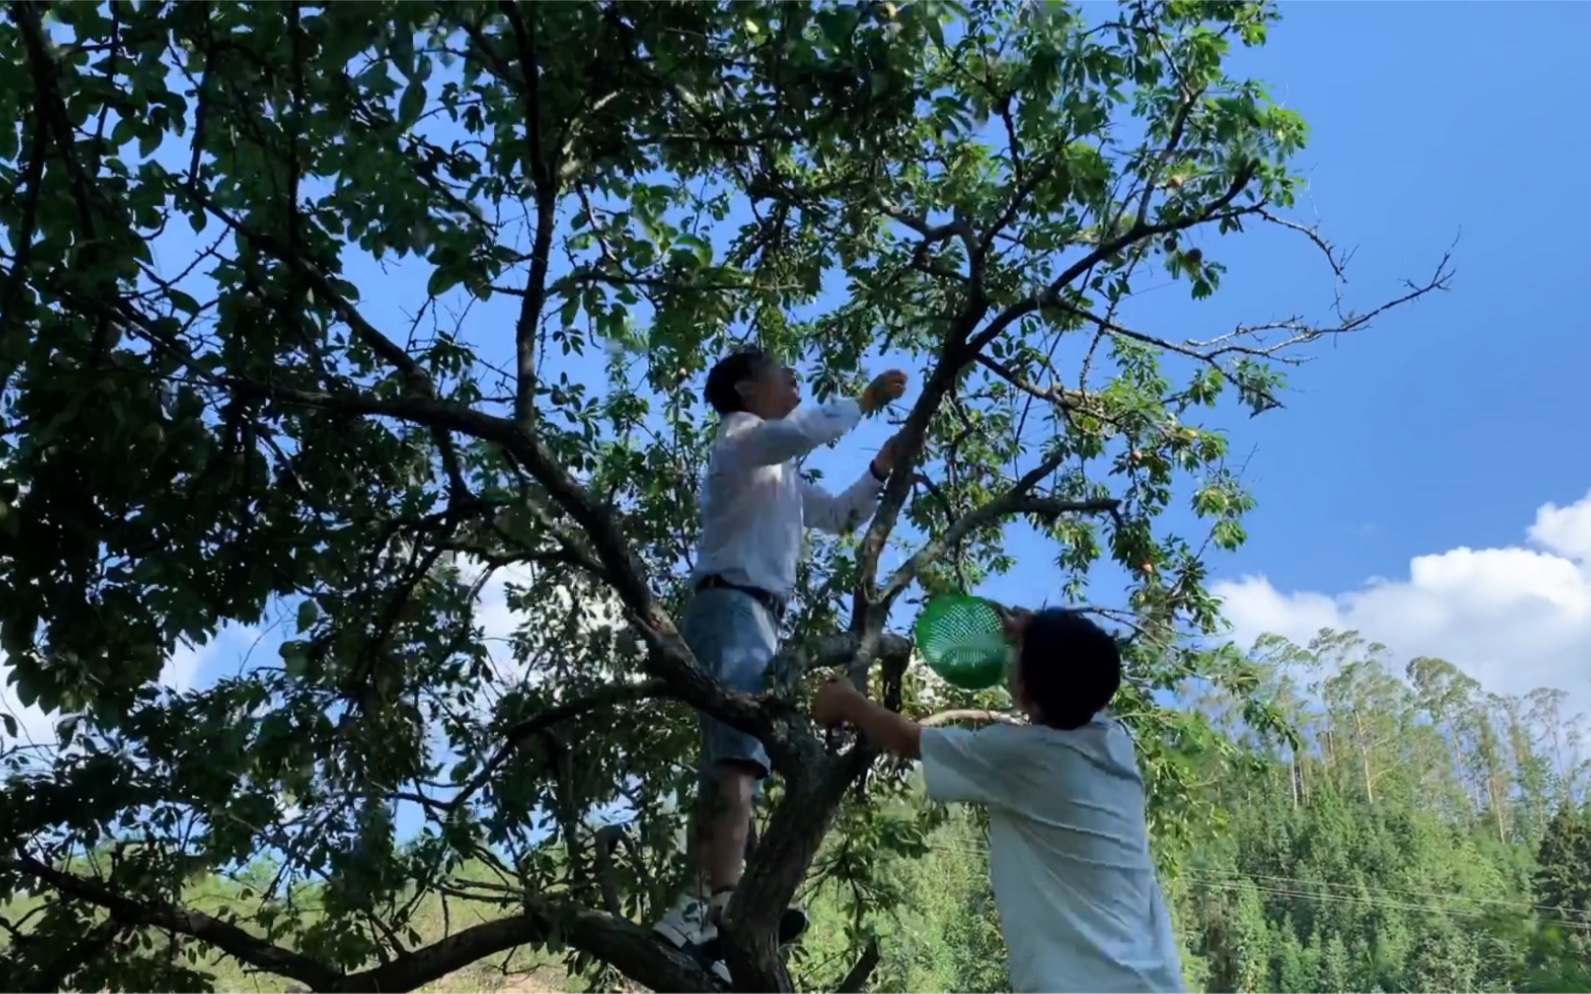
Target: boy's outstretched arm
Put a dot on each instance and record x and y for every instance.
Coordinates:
(751, 441)
(838, 701)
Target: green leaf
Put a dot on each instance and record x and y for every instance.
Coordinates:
(412, 105)
(295, 659)
(442, 280)
(402, 48)
(698, 247)
(308, 614)
(182, 302)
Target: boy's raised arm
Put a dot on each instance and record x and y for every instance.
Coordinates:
(840, 513)
(750, 441)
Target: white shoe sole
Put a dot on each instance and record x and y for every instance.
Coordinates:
(674, 936)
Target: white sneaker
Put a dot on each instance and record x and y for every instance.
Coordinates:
(792, 925)
(713, 952)
(692, 925)
(687, 923)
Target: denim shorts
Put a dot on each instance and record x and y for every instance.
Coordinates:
(734, 638)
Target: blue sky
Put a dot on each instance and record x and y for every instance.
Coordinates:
(1447, 423)
(1451, 424)
(1403, 488)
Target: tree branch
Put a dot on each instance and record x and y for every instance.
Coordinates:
(898, 487)
(958, 715)
(224, 936)
(779, 865)
(389, 351)
(627, 946)
(785, 851)
(856, 977)
(517, 735)
(1050, 295)
(1017, 500)
(1178, 127)
(32, 176)
(609, 838)
(53, 975)
(544, 179)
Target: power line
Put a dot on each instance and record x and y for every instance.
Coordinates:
(1385, 904)
(1353, 889)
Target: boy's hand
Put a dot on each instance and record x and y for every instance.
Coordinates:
(890, 386)
(888, 453)
(834, 701)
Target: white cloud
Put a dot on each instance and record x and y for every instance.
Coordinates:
(1514, 618)
(181, 672)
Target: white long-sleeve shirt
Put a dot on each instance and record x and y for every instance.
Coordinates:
(755, 502)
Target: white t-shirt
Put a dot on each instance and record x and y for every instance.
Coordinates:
(755, 502)
(1069, 859)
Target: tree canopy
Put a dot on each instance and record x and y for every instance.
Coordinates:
(247, 381)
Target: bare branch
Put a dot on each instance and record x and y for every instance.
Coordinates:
(625, 945)
(1066, 400)
(1314, 235)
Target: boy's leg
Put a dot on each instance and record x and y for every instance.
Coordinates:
(734, 638)
(724, 815)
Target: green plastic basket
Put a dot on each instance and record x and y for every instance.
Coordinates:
(963, 639)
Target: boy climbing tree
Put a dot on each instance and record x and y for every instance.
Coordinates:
(755, 505)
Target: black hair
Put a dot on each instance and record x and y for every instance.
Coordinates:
(1070, 667)
(728, 373)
